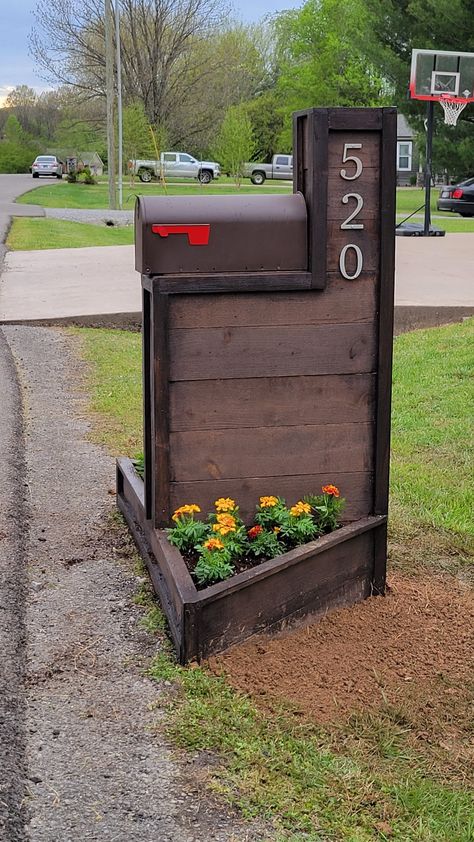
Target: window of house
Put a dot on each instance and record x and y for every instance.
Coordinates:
(404, 155)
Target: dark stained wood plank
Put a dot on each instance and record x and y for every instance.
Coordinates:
(233, 282)
(339, 304)
(270, 451)
(367, 186)
(356, 488)
(225, 353)
(159, 398)
(366, 238)
(148, 422)
(271, 402)
(385, 312)
(338, 576)
(355, 119)
(369, 154)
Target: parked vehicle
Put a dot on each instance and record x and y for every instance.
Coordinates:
(175, 165)
(47, 165)
(458, 198)
(280, 167)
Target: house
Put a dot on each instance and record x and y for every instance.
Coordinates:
(92, 161)
(407, 153)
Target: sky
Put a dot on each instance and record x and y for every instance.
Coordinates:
(16, 21)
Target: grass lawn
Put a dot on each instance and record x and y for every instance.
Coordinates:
(30, 233)
(66, 195)
(379, 774)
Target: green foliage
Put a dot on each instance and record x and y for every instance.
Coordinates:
(187, 534)
(17, 149)
(213, 565)
(235, 143)
(327, 508)
(267, 118)
(264, 544)
(320, 63)
(86, 177)
(137, 135)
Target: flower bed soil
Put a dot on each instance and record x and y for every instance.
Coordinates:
(415, 647)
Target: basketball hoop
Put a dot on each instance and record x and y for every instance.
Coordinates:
(452, 108)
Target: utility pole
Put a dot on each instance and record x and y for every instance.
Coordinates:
(110, 94)
(119, 102)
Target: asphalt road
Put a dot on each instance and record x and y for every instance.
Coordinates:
(12, 186)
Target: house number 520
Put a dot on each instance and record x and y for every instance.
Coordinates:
(351, 174)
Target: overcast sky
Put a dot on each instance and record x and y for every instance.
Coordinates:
(16, 21)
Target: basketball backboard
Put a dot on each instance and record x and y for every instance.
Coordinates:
(439, 74)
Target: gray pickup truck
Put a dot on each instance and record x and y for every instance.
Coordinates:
(280, 167)
(175, 165)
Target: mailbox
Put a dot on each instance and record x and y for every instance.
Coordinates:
(267, 336)
(196, 234)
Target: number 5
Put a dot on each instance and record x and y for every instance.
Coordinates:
(354, 159)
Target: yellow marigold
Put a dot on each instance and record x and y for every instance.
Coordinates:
(221, 529)
(268, 502)
(185, 510)
(277, 529)
(300, 508)
(225, 504)
(213, 544)
(226, 520)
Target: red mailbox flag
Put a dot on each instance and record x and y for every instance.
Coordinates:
(198, 235)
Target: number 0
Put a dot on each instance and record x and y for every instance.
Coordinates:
(342, 262)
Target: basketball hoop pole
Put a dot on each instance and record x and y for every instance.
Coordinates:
(428, 164)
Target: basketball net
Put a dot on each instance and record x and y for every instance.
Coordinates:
(452, 109)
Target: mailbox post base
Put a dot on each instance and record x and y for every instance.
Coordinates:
(338, 569)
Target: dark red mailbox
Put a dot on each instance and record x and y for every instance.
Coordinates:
(199, 234)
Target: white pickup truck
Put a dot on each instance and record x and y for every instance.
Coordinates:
(280, 167)
(175, 165)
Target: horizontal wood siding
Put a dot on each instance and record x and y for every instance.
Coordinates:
(337, 304)
(273, 394)
(287, 350)
(270, 451)
(340, 575)
(271, 402)
(356, 488)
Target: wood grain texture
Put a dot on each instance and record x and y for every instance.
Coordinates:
(159, 397)
(340, 303)
(356, 488)
(271, 402)
(368, 186)
(369, 154)
(338, 576)
(231, 352)
(270, 451)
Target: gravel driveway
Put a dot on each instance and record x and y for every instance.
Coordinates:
(82, 759)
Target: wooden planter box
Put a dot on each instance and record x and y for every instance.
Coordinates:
(268, 371)
(337, 569)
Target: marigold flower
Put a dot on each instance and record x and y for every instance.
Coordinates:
(185, 510)
(268, 502)
(332, 490)
(224, 504)
(225, 524)
(277, 529)
(213, 544)
(254, 531)
(300, 508)
(226, 520)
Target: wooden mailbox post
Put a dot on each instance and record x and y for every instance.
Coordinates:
(267, 370)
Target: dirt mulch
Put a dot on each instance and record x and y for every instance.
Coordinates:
(416, 644)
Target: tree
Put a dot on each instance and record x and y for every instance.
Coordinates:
(137, 134)
(17, 149)
(320, 62)
(235, 143)
(396, 28)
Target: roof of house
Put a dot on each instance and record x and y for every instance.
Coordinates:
(90, 157)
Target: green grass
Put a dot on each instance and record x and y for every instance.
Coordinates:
(382, 775)
(354, 784)
(28, 234)
(66, 195)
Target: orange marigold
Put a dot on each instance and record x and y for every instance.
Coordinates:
(213, 544)
(268, 502)
(300, 508)
(185, 510)
(332, 490)
(254, 531)
(224, 504)
(225, 524)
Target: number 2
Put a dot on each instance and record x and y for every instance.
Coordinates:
(354, 159)
(348, 224)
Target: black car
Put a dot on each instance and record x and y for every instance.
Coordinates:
(458, 198)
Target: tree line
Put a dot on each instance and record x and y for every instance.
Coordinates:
(191, 74)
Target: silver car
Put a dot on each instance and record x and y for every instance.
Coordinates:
(47, 165)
